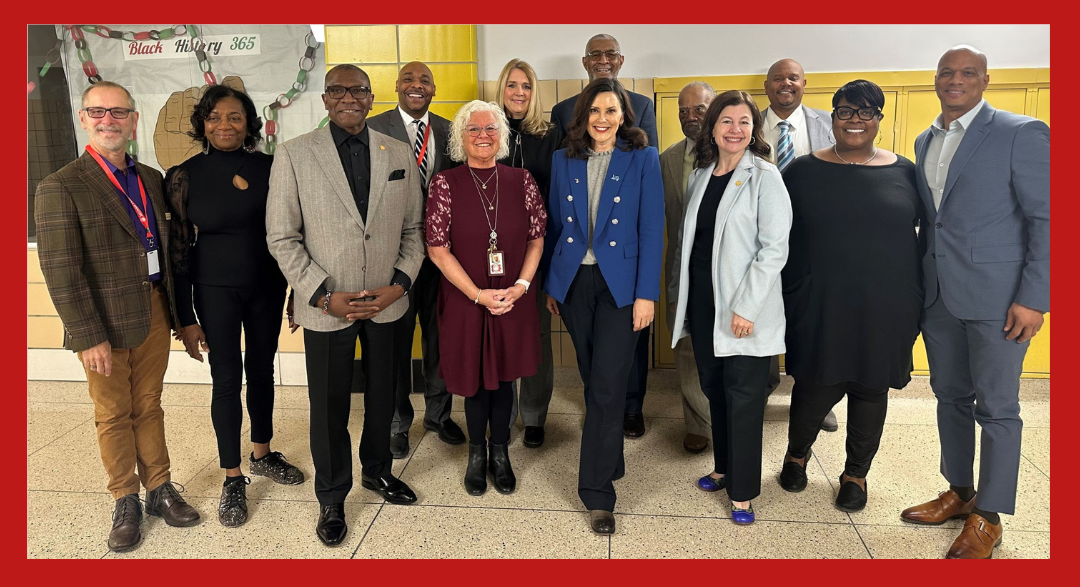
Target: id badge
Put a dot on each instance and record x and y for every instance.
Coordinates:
(495, 263)
(152, 262)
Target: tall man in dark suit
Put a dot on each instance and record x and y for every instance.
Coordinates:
(603, 58)
(344, 221)
(793, 130)
(102, 231)
(984, 177)
(426, 134)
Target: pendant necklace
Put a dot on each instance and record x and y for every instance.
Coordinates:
(853, 162)
(482, 182)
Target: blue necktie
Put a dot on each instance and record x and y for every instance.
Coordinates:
(785, 150)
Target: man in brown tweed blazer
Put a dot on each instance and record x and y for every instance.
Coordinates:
(102, 230)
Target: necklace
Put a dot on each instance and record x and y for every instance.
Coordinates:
(494, 200)
(492, 204)
(482, 182)
(853, 162)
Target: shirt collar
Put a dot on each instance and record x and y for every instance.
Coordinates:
(341, 135)
(797, 119)
(408, 119)
(690, 146)
(964, 121)
(129, 163)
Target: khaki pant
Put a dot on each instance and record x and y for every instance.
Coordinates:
(127, 408)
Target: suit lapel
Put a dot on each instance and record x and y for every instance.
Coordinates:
(973, 137)
(396, 127)
(922, 143)
(326, 154)
(103, 190)
(157, 200)
(380, 171)
(616, 172)
(736, 185)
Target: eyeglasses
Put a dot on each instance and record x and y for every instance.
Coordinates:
(358, 92)
(474, 131)
(117, 113)
(845, 113)
(611, 54)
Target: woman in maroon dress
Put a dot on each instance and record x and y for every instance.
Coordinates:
(485, 232)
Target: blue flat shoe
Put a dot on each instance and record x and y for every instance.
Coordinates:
(741, 516)
(708, 483)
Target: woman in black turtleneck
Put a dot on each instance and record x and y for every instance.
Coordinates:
(226, 280)
(532, 142)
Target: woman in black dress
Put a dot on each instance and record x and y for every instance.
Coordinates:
(852, 287)
(226, 280)
(533, 141)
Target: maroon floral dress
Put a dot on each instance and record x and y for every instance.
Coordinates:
(476, 347)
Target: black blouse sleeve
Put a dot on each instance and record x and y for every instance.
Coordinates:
(182, 236)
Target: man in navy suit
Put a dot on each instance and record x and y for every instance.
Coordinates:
(603, 58)
(984, 178)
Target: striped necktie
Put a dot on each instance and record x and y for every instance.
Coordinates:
(785, 150)
(419, 152)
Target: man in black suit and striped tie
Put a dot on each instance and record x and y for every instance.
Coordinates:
(426, 134)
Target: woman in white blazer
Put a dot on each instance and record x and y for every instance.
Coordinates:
(733, 244)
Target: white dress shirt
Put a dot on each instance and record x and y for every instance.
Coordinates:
(800, 137)
(942, 148)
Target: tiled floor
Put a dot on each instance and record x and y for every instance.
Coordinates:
(659, 513)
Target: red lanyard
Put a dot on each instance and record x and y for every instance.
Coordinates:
(423, 148)
(142, 192)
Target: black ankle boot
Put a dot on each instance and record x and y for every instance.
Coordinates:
(501, 472)
(476, 472)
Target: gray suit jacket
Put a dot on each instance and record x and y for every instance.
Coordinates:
(818, 124)
(671, 170)
(988, 244)
(750, 247)
(390, 123)
(316, 233)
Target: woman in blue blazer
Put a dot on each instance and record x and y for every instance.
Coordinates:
(602, 270)
(733, 244)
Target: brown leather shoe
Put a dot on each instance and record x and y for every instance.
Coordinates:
(127, 516)
(165, 501)
(977, 540)
(935, 512)
(694, 443)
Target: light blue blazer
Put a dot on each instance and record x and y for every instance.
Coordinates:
(750, 247)
(628, 237)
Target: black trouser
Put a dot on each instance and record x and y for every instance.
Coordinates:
(222, 312)
(422, 299)
(330, 359)
(866, 419)
(735, 387)
(490, 406)
(536, 389)
(639, 374)
(604, 340)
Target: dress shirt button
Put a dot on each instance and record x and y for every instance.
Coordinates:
(617, 199)
(612, 243)
(938, 225)
(614, 220)
(941, 191)
(569, 218)
(569, 239)
(569, 198)
(941, 165)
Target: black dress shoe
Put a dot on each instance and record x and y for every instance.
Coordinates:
(476, 471)
(449, 432)
(399, 445)
(534, 436)
(501, 471)
(391, 488)
(127, 516)
(602, 521)
(165, 501)
(851, 497)
(829, 423)
(633, 425)
(793, 475)
(332, 528)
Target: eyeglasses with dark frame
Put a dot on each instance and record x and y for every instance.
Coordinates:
(338, 92)
(611, 54)
(474, 131)
(99, 112)
(845, 113)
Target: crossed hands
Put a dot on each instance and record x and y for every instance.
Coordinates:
(501, 301)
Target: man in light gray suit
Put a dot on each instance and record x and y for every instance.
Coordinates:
(793, 130)
(984, 177)
(426, 134)
(344, 221)
(676, 163)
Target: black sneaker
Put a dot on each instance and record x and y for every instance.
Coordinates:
(232, 509)
(274, 466)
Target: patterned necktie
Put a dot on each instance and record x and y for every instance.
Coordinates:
(785, 150)
(419, 152)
